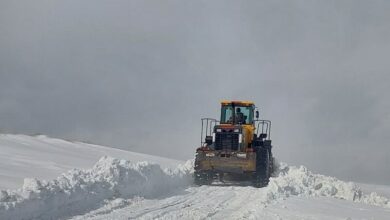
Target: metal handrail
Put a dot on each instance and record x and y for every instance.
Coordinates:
(209, 123)
(207, 126)
(265, 127)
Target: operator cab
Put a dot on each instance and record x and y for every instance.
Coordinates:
(237, 113)
(237, 129)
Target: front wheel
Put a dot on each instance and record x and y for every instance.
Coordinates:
(263, 168)
(202, 178)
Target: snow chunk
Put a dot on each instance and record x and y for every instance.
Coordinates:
(3, 196)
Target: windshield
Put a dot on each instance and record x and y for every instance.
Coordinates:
(236, 114)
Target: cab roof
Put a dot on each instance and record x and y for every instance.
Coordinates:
(244, 103)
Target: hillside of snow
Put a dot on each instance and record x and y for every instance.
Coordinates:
(42, 157)
(128, 189)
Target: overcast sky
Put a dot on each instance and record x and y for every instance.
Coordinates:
(139, 75)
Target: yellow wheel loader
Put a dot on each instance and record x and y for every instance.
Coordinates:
(236, 147)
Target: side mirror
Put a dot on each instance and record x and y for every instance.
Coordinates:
(257, 114)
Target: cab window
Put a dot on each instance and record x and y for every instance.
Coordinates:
(241, 115)
(227, 115)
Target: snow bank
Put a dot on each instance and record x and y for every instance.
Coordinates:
(299, 181)
(78, 191)
(46, 158)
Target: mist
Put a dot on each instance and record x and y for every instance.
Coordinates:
(139, 75)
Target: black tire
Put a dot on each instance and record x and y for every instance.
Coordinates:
(263, 168)
(202, 178)
(271, 163)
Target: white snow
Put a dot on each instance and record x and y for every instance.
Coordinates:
(78, 191)
(299, 181)
(128, 189)
(42, 157)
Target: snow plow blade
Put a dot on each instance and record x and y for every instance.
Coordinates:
(226, 162)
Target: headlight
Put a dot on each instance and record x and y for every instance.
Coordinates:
(210, 154)
(241, 155)
(219, 130)
(236, 130)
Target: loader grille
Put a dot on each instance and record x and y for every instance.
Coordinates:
(226, 141)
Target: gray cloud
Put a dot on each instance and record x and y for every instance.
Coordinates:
(140, 74)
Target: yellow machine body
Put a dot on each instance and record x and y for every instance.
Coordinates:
(239, 160)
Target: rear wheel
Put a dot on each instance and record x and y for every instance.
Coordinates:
(263, 168)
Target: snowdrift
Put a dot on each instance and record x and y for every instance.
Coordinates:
(78, 191)
(299, 181)
(46, 158)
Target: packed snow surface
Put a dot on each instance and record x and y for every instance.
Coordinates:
(127, 189)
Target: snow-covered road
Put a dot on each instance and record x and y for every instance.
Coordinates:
(120, 189)
(128, 189)
(233, 202)
(204, 202)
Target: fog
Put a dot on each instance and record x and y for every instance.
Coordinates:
(139, 75)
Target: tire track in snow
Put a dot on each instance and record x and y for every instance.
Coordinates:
(199, 204)
(164, 206)
(206, 202)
